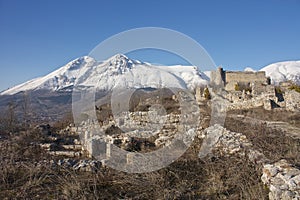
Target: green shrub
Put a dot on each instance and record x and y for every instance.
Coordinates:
(248, 89)
(295, 87)
(237, 87)
(206, 94)
(278, 90)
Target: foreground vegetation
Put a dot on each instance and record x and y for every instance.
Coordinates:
(187, 178)
(25, 172)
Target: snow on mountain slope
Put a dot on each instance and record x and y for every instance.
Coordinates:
(283, 71)
(189, 74)
(249, 69)
(117, 71)
(63, 77)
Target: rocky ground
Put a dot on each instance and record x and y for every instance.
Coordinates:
(255, 155)
(281, 177)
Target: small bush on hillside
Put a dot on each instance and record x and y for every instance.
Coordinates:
(242, 86)
(236, 87)
(278, 90)
(295, 87)
(206, 94)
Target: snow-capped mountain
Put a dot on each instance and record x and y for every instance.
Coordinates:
(59, 79)
(283, 71)
(249, 69)
(117, 71)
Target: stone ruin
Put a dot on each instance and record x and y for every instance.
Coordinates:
(246, 90)
(282, 178)
(231, 79)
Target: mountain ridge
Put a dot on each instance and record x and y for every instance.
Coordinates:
(283, 71)
(117, 70)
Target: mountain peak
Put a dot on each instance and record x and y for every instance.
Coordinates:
(119, 56)
(249, 69)
(78, 62)
(112, 73)
(121, 62)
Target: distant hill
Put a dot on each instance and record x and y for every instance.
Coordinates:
(283, 71)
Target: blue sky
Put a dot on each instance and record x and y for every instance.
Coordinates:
(37, 37)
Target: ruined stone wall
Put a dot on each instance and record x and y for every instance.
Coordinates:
(217, 78)
(134, 124)
(292, 100)
(282, 178)
(245, 77)
(229, 79)
(245, 100)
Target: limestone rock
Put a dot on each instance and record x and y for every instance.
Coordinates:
(282, 179)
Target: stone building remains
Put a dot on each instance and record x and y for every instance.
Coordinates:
(232, 79)
(253, 89)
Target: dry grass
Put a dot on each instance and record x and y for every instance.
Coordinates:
(274, 144)
(270, 115)
(187, 178)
